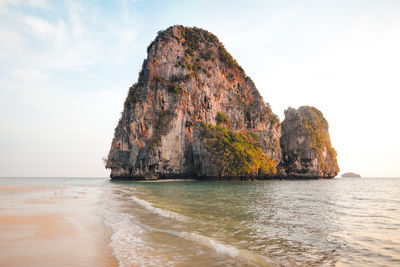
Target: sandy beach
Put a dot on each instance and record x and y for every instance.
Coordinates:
(53, 226)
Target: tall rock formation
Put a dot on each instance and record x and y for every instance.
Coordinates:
(194, 112)
(306, 147)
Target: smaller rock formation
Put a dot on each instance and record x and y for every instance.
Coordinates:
(306, 147)
(351, 174)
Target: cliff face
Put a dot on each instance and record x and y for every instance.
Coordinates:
(193, 111)
(306, 146)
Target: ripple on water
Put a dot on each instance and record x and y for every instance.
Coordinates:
(329, 222)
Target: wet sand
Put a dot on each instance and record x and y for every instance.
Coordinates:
(53, 226)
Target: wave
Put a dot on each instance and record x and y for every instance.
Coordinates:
(126, 242)
(165, 213)
(211, 243)
(130, 245)
(239, 254)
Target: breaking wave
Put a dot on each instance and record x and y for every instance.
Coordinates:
(165, 213)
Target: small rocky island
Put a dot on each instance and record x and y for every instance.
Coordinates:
(306, 147)
(350, 175)
(195, 113)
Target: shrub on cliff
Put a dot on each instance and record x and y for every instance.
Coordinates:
(319, 135)
(236, 153)
(225, 57)
(221, 118)
(273, 118)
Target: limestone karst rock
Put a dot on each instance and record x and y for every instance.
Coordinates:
(194, 112)
(306, 147)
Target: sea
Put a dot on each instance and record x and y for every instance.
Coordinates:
(336, 222)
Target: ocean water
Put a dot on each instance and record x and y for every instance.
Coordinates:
(338, 222)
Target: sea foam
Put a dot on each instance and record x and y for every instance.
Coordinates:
(165, 213)
(126, 242)
(241, 255)
(131, 248)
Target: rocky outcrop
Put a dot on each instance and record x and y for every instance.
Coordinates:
(350, 175)
(194, 112)
(306, 147)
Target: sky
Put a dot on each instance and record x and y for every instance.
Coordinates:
(66, 66)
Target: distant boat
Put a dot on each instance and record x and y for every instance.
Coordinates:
(351, 174)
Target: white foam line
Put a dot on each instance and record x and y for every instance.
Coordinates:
(237, 253)
(127, 246)
(221, 248)
(161, 212)
(211, 243)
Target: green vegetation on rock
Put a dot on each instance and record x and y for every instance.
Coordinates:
(221, 118)
(161, 125)
(225, 57)
(319, 136)
(273, 118)
(153, 143)
(198, 43)
(176, 89)
(195, 36)
(236, 153)
(132, 95)
(162, 122)
(179, 78)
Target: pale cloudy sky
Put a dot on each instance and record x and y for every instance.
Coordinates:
(66, 66)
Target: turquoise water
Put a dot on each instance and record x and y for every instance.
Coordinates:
(338, 222)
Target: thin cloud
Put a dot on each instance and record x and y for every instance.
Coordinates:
(39, 25)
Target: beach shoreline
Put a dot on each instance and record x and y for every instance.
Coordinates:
(53, 226)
